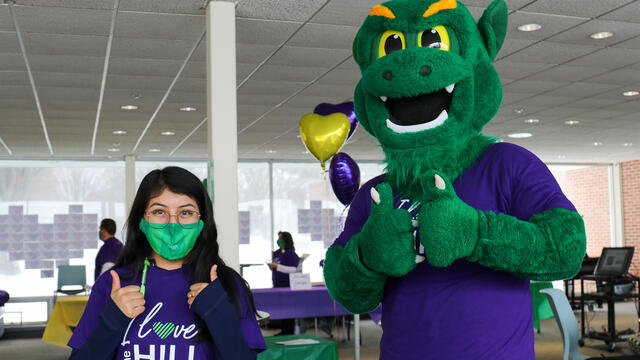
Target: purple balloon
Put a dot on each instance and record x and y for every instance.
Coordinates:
(346, 108)
(344, 174)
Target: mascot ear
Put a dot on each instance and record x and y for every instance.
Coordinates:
(493, 26)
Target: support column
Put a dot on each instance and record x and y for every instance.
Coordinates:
(129, 182)
(222, 127)
(617, 211)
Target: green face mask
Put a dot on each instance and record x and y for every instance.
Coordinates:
(280, 243)
(172, 242)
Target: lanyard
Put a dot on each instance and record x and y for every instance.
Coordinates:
(144, 276)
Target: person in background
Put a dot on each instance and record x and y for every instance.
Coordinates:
(110, 250)
(284, 261)
(170, 295)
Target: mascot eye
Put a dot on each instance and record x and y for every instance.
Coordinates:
(389, 42)
(437, 38)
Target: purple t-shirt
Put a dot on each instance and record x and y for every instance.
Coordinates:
(109, 252)
(287, 258)
(167, 326)
(466, 310)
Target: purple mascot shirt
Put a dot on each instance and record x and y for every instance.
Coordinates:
(167, 326)
(466, 310)
(109, 252)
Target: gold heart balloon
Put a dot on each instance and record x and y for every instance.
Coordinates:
(324, 135)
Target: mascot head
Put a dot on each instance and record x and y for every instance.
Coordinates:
(428, 84)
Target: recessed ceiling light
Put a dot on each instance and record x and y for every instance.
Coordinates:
(129, 107)
(572, 122)
(519, 111)
(119, 132)
(631, 93)
(113, 150)
(529, 27)
(627, 144)
(601, 35)
(154, 150)
(167, 133)
(188, 108)
(270, 151)
(562, 157)
(116, 144)
(532, 121)
(520, 135)
(597, 143)
(136, 96)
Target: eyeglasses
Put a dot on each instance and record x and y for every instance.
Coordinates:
(159, 218)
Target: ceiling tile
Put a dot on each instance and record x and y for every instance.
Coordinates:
(567, 73)
(629, 13)
(325, 36)
(580, 35)
(608, 58)
(279, 9)
(550, 53)
(584, 8)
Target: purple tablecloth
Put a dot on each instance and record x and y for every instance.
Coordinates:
(284, 303)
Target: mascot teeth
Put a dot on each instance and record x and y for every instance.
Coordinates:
(450, 88)
(419, 127)
(383, 98)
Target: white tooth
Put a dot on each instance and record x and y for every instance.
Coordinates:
(415, 128)
(450, 88)
(383, 98)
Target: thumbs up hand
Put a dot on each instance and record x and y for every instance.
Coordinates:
(196, 288)
(128, 299)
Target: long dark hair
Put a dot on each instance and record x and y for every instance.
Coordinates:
(288, 240)
(205, 251)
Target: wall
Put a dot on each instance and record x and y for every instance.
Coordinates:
(631, 207)
(588, 190)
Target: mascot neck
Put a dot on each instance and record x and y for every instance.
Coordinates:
(406, 167)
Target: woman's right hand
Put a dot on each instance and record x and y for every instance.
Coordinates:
(129, 299)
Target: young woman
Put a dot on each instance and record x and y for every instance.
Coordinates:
(284, 261)
(170, 296)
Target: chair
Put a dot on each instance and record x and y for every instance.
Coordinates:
(566, 322)
(72, 279)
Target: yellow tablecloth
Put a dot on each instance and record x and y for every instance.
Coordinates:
(66, 314)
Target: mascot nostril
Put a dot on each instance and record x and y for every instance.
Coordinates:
(425, 70)
(495, 217)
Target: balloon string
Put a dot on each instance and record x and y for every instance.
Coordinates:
(326, 196)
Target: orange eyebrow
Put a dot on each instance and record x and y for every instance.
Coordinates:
(440, 5)
(383, 11)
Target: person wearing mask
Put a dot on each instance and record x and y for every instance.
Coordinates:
(108, 253)
(170, 295)
(284, 261)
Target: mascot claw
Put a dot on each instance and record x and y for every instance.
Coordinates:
(440, 184)
(375, 196)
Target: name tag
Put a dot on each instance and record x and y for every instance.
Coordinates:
(299, 281)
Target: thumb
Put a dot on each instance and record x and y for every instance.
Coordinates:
(115, 284)
(214, 272)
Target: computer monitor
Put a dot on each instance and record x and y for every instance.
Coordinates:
(614, 261)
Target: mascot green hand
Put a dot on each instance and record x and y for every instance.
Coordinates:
(451, 230)
(386, 239)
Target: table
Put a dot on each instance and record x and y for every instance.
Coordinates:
(541, 307)
(324, 350)
(284, 303)
(66, 314)
(607, 294)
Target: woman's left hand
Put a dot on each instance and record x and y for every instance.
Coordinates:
(272, 265)
(196, 288)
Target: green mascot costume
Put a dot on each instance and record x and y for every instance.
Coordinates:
(449, 237)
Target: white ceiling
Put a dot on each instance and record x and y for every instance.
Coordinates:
(293, 55)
